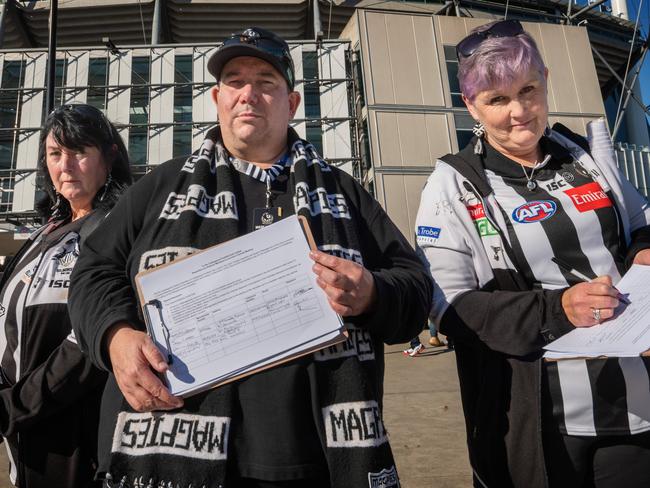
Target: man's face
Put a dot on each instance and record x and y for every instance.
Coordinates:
(254, 104)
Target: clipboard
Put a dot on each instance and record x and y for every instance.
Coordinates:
(161, 324)
(625, 334)
(644, 354)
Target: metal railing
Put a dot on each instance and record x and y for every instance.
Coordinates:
(634, 162)
(30, 217)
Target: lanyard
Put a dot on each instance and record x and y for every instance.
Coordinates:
(269, 194)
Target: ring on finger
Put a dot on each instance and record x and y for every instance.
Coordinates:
(596, 314)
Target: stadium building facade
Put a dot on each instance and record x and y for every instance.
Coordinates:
(378, 81)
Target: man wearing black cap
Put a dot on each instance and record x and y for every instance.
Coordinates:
(315, 421)
(254, 95)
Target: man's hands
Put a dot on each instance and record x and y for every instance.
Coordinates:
(133, 356)
(350, 288)
(580, 302)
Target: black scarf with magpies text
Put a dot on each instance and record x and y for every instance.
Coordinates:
(188, 448)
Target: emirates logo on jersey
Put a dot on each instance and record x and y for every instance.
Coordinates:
(589, 197)
(476, 211)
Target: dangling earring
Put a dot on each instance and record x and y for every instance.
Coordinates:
(56, 207)
(478, 131)
(109, 180)
(547, 131)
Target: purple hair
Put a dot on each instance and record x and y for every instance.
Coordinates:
(498, 62)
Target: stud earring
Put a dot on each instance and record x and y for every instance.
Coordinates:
(108, 183)
(55, 209)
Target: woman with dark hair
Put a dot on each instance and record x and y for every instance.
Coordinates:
(493, 222)
(75, 128)
(50, 392)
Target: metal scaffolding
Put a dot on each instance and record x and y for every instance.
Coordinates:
(162, 108)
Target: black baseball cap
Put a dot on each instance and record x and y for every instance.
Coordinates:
(259, 43)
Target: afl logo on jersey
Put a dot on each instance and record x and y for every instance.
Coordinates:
(535, 211)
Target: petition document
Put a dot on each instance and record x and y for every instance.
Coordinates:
(626, 334)
(238, 307)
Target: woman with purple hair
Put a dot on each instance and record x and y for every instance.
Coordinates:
(524, 210)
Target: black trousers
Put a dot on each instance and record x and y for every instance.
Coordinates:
(597, 462)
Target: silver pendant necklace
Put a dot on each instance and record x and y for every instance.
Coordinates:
(530, 183)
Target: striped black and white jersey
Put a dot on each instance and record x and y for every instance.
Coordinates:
(49, 398)
(568, 215)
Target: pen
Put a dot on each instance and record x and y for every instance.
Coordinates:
(568, 269)
(166, 334)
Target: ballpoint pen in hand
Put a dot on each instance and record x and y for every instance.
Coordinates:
(568, 269)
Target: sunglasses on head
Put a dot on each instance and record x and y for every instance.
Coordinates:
(505, 28)
(254, 38)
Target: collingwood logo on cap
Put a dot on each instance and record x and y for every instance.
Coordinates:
(248, 35)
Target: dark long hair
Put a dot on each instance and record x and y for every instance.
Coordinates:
(74, 127)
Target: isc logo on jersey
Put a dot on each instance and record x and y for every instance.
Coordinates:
(535, 211)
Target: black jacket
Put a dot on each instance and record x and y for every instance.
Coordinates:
(499, 323)
(103, 291)
(51, 392)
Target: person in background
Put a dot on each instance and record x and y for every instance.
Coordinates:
(416, 347)
(524, 197)
(50, 392)
(315, 421)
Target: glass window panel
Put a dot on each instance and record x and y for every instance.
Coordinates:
(464, 124)
(182, 141)
(457, 100)
(452, 75)
(97, 82)
(139, 110)
(183, 91)
(463, 138)
(314, 131)
(182, 105)
(59, 82)
(450, 53)
(315, 136)
(452, 72)
(311, 85)
(12, 80)
(138, 145)
(365, 146)
(6, 149)
(357, 73)
(12, 74)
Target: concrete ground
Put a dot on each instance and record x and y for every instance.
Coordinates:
(423, 416)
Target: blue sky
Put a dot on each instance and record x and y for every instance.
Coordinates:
(633, 10)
